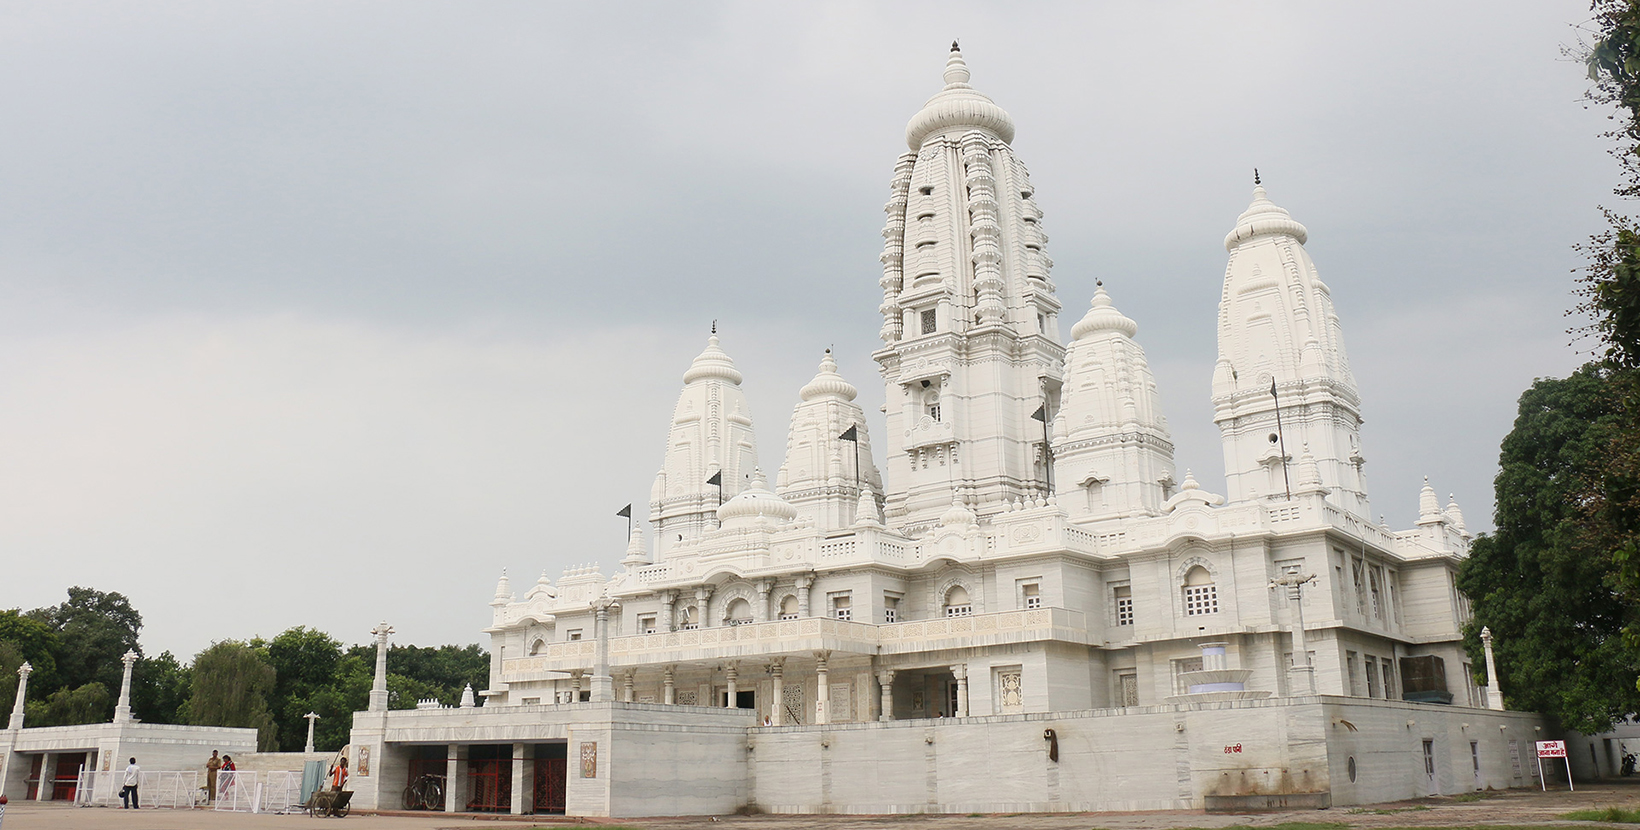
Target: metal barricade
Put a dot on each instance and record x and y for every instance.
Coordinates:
(281, 792)
(236, 792)
(163, 789)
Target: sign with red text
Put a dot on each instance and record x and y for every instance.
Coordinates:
(1551, 749)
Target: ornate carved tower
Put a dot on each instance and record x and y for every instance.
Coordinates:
(1277, 324)
(711, 435)
(969, 314)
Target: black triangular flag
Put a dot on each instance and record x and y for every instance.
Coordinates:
(716, 479)
(853, 434)
(1041, 414)
(625, 512)
(1272, 387)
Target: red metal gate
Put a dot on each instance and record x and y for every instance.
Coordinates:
(549, 784)
(67, 780)
(489, 783)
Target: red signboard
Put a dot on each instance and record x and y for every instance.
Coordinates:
(1551, 749)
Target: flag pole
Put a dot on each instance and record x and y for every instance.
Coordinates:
(1281, 438)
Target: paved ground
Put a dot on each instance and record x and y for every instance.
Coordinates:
(1516, 807)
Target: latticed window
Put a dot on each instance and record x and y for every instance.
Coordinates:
(958, 603)
(1201, 596)
(1032, 593)
(929, 320)
(891, 609)
(1124, 605)
(842, 607)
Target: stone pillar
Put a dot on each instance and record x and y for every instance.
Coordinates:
(667, 600)
(960, 672)
(626, 687)
(669, 694)
(603, 685)
(703, 600)
(378, 690)
(452, 777)
(48, 775)
(1301, 675)
(518, 778)
(777, 707)
(886, 679)
(804, 582)
(122, 709)
(822, 691)
(761, 612)
(1494, 689)
(311, 717)
(575, 676)
(23, 672)
(731, 675)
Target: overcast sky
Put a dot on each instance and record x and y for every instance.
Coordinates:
(324, 313)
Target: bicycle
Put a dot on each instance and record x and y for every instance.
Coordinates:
(425, 793)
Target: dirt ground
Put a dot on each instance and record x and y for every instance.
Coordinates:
(1515, 807)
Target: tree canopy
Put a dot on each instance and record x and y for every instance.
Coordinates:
(231, 684)
(1559, 581)
(1543, 581)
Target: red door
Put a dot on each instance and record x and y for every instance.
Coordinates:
(490, 782)
(549, 784)
(67, 780)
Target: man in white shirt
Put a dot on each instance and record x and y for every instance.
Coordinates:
(128, 795)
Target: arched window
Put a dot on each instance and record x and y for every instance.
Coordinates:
(1201, 596)
(689, 619)
(931, 405)
(739, 612)
(958, 603)
(538, 646)
(788, 607)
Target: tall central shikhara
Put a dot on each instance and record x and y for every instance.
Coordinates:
(969, 314)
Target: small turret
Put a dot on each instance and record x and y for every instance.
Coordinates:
(503, 590)
(1429, 506)
(1455, 515)
(1112, 452)
(636, 556)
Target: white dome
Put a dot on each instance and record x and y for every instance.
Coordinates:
(828, 383)
(1103, 316)
(713, 362)
(1263, 218)
(755, 502)
(957, 106)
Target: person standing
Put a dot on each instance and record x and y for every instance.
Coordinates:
(338, 775)
(211, 768)
(128, 794)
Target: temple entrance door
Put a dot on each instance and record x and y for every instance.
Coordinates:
(66, 782)
(489, 778)
(548, 782)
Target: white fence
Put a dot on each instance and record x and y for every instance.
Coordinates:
(163, 789)
(236, 792)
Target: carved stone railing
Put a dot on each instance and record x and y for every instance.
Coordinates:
(791, 636)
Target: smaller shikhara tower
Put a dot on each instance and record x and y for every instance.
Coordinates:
(1280, 344)
(969, 315)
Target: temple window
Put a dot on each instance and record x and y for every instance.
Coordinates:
(891, 609)
(575, 634)
(689, 620)
(958, 603)
(738, 613)
(1201, 596)
(1031, 594)
(842, 606)
(931, 405)
(537, 647)
(788, 608)
(646, 623)
(930, 320)
(926, 190)
(1124, 604)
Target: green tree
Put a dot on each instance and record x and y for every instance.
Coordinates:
(65, 707)
(231, 684)
(1544, 580)
(305, 661)
(94, 629)
(1610, 292)
(159, 688)
(34, 641)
